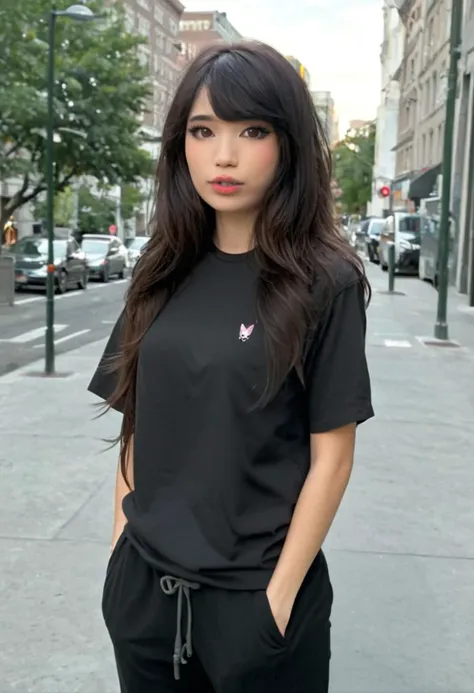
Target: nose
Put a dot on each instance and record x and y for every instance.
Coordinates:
(226, 152)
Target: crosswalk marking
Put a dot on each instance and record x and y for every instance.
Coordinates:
(66, 338)
(32, 335)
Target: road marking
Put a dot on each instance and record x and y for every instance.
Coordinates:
(29, 300)
(401, 343)
(73, 335)
(77, 292)
(31, 335)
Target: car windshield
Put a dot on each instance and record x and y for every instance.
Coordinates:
(91, 247)
(136, 243)
(38, 247)
(409, 227)
(377, 226)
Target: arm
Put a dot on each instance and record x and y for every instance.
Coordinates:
(332, 455)
(121, 490)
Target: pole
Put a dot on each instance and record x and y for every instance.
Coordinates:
(391, 266)
(441, 325)
(49, 344)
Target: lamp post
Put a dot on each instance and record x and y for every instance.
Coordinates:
(78, 13)
(441, 325)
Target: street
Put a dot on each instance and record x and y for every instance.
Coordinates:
(80, 317)
(400, 552)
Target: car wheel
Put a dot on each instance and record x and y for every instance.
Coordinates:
(62, 282)
(105, 275)
(82, 283)
(122, 274)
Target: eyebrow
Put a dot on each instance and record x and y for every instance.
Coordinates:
(206, 118)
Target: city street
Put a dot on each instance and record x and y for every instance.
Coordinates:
(80, 317)
(400, 552)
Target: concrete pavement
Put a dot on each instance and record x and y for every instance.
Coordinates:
(400, 552)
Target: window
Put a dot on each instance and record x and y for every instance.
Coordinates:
(430, 150)
(144, 26)
(427, 97)
(435, 91)
(173, 27)
(129, 19)
(159, 14)
(423, 151)
(440, 141)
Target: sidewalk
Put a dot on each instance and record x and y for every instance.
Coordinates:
(400, 553)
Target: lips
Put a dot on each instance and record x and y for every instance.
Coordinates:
(225, 181)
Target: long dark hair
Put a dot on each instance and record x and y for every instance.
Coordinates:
(296, 236)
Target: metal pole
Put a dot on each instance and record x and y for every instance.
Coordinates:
(441, 325)
(49, 344)
(391, 266)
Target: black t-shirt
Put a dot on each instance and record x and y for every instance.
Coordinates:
(216, 479)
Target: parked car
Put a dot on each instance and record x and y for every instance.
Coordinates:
(372, 238)
(106, 256)
(402, 229)
(135, 247)
(429, 250)
(358, 234)
(31, 263)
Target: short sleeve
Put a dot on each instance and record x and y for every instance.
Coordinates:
(104, 380)
(336, 371)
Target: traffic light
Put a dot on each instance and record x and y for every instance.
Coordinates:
(384, 191)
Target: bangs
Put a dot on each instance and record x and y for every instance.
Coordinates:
(238, 92)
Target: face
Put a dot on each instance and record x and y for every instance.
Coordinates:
(232, 165)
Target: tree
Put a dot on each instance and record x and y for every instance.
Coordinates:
(131, 199)
(96, 212)
(353, 159)
(63, 208)
(101, 90)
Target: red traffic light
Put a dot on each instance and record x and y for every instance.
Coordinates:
(384, 191)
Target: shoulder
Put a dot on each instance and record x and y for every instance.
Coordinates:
(336, 275)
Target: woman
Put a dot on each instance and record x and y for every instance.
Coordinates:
(239, 366)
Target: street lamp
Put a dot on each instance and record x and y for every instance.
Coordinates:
(78, 13)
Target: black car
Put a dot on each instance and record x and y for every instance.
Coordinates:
(31, 263)
(372, 238)
(106, 256)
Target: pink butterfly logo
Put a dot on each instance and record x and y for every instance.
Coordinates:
(245, 332)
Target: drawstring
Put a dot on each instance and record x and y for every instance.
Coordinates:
(170, 585)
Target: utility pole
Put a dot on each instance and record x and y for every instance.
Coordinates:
(441, 325)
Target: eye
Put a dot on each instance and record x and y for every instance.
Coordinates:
(256, 133)
(200, 132)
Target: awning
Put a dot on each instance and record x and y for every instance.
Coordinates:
(422, 186)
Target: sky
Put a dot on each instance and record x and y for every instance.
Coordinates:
(338, 41)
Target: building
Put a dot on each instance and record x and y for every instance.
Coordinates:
(325, 108)
(391, 56)
(300, 69)
(422, 78)
(158, 22)
(198, 30)
(463, 165)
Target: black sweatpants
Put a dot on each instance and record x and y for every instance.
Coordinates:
(214, 640)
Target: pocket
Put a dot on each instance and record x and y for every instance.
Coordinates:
(270, 622)
(114, 553)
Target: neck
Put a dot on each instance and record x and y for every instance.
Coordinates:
(234, 231)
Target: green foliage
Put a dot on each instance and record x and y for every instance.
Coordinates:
(63, 208)
(100, 93)
(131, 199)
(96, 213)
(353, 159)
